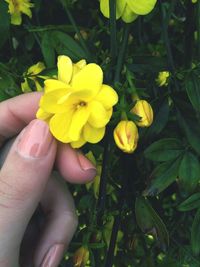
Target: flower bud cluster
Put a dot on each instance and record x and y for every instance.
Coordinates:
(126, 132)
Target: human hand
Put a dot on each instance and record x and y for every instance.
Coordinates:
(26, 180)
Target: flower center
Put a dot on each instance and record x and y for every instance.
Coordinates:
(80, 104)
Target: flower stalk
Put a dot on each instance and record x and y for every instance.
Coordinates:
(113, 31)
(122, 53)
(198, 28)
(80, 37)
(165, 22)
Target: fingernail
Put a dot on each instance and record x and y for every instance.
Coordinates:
(85, 163)
(35, 140)
(53, 256)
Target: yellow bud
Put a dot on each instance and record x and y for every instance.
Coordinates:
(83, 33)
(81, 257)
(126, 136)
(162, 79)
(144, 110)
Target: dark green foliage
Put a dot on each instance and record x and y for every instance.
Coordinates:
(162, 175)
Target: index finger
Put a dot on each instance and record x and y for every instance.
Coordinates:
(16, 113)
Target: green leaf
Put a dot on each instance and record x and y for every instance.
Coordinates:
(195, 234)
(96, 245)
(148, 64)
(192, 136)
(4, 22)
(189, 172)
(48, 51)
(8, 87)
(162, 176)
(64, 44)
(160, 121)
(164, 150)
(190, 203)
(150, 222)
(192, 88)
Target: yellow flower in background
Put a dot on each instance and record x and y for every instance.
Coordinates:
(128, 10)
(32, 74)
(77, 106)
(17, 7)
(162, 79)
(126, 136)
(81, 256)
(144, 110)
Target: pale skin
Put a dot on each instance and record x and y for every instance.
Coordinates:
(27, 180)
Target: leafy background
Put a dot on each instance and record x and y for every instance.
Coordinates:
(145, 208)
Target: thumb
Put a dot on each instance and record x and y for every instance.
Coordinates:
(23, 178)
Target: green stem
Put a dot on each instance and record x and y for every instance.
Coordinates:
(165, 22)
(103, 182)
(189, 34)
(113, 31)
(122, 53)
(80, 37)
(50, 28)
(198, 29)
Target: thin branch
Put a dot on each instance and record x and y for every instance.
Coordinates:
(122, 53)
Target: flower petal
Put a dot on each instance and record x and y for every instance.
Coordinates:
(36, 68)
(107, 96)
(90, 78)
(65, 69)
(93, 135)
(78, 66)
(104, 6)
(99, 117)
(79, 143)
(128, 15)
(55, 101)
(141, 7)
(120, 8)
(79, 119)
(43, 115)
(59, 125)
(81, 63)
(52, 84)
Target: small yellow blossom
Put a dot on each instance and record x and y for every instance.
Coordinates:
(77, 105)
(32, 74)
(126, 136)
(17, 7)
(81, 257)
(128, 10)
(162, 79)
(144, 110)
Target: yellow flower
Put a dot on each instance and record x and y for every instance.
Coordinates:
(162, 79)
(17, 7)
(126, 136)
(81, 257)
(128, 10)
(32, 74)
(77, 105)
(144, 110)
